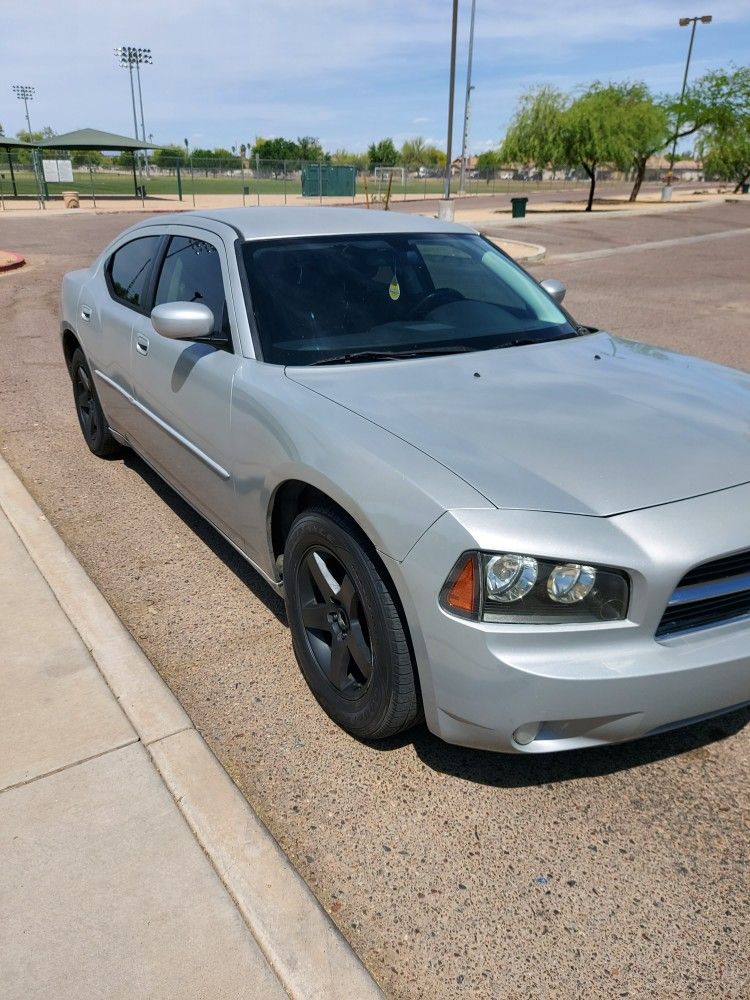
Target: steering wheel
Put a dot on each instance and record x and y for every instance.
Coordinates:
(438, 297)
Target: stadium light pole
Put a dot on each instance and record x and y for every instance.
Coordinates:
(684, 22)
(25, 93)
(122, 54)
(132, 55)
(467, 103)
(452, 87)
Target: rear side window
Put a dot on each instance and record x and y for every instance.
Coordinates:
(129, 269)
(192, 273)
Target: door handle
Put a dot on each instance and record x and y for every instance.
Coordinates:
(86, 313)
(141, 344)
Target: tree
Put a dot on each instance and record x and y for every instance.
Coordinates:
(488, 162)
(214, 160)
(275, 149)
(535, 133)
(592, 133)
(414, 152)
(645, 123)
(124, 159)
(310, 149)
(25, 136)
(716, 102)
(434, 157)
(382, 154)
(84, 157)
(24, 155)
(725, 151)
(168, 157)
(348, 158)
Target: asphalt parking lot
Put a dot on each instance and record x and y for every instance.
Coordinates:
(620, 872)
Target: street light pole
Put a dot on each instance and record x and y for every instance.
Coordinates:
(684, 22)
(469, 88)
(452, 85)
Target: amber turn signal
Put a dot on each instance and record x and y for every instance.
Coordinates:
(463, 593)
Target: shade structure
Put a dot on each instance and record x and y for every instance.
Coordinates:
(93, 138)
(8, 142)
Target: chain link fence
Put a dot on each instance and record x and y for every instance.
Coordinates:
(30, 177)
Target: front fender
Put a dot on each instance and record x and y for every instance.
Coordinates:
(281, 431)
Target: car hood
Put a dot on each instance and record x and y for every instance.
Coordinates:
(592, 425)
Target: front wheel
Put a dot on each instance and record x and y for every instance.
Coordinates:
(347, 631)
(90, 414)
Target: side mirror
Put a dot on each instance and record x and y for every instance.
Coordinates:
(554, 288)
(182, 320)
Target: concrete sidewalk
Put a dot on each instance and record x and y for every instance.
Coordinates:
(130, 865)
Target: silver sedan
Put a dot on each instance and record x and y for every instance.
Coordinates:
(527, 531)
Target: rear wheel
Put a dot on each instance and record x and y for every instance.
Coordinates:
(90, 414)
(347, 631)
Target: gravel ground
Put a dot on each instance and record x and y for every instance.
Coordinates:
(620, 872)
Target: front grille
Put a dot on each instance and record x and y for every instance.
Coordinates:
(719, 569)
(707, 595)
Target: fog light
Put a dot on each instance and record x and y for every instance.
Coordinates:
(570, 583)
(526, 733)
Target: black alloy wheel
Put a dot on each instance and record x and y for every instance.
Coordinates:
(90, 414)
(347, 629)
(335, 622)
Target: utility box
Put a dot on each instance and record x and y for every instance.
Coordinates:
(326, 180)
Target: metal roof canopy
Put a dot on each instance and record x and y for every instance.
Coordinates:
(9, 142)
(94, 138)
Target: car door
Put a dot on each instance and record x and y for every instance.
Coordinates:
(108, 305)
(182, 389)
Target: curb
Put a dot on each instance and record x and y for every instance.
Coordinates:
(9, 260)
(523, 253)
(305, 949)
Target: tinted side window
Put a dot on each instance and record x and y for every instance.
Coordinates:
(129, 269)
(192, 273)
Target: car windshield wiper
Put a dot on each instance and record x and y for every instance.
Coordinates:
(523, 341)
(412, 352)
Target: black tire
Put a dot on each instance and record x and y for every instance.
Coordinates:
(350, 642)
(91, 417)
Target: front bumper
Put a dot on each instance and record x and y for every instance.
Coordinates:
(585, 684)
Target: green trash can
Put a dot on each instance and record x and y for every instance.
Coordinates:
(746, 188)
(518, 207)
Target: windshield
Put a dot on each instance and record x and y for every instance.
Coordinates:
(330, 299)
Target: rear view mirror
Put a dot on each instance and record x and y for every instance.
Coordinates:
(554, 288)
(182, 320)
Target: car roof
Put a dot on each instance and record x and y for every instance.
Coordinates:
(282, 221)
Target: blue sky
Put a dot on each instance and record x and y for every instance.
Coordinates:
(347, 71)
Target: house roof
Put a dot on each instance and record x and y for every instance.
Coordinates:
(662, 163)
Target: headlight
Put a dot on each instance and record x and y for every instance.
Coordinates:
(510, 577)
(516, 588)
